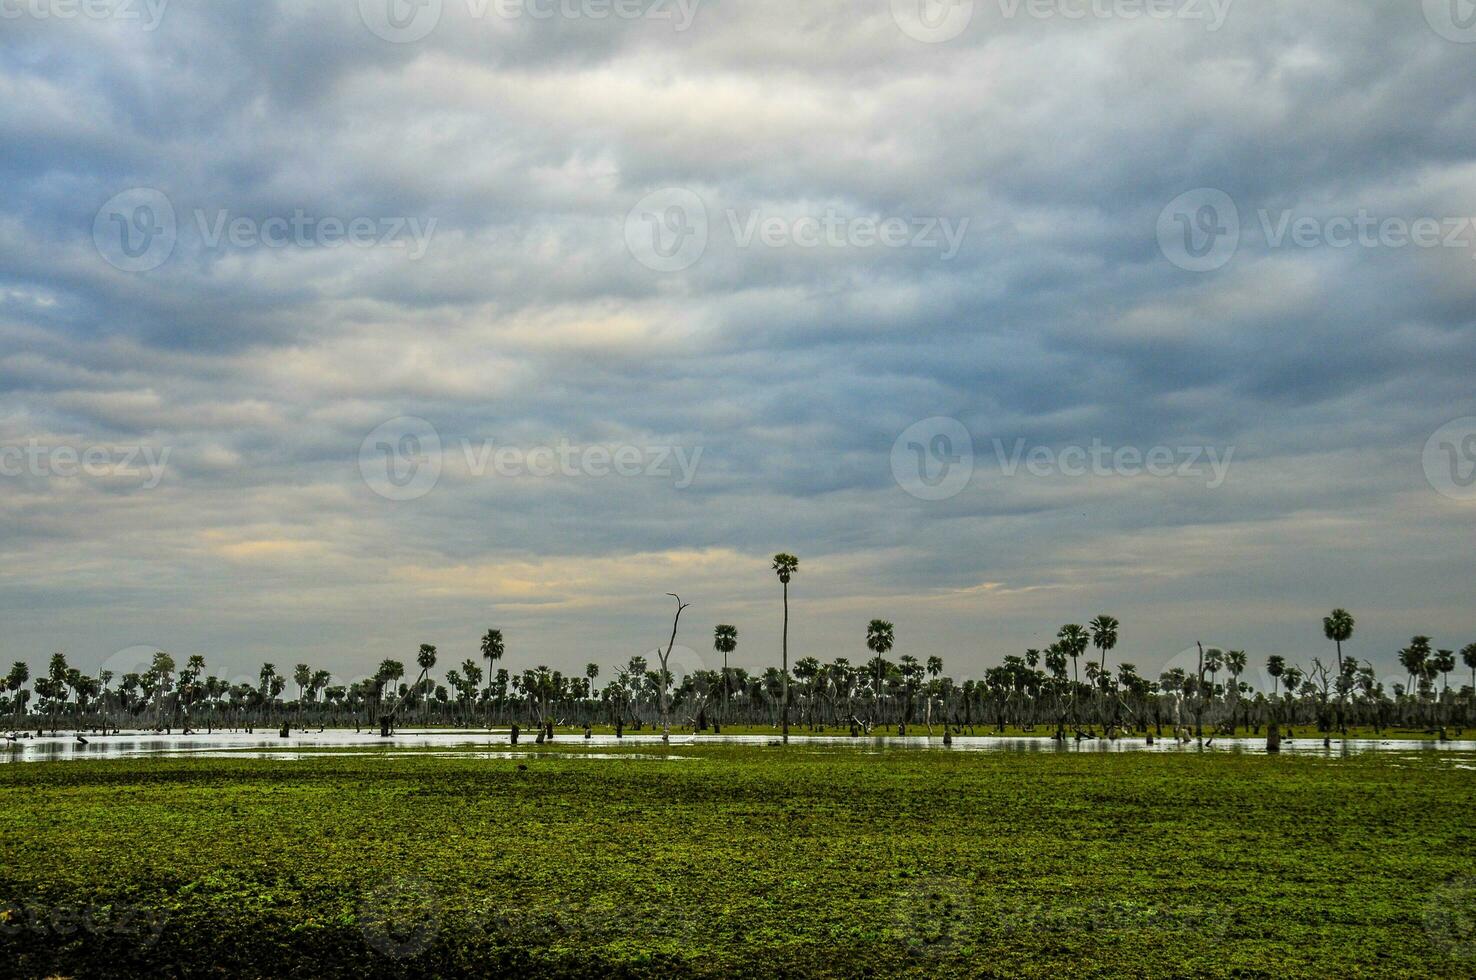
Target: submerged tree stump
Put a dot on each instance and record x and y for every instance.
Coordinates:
(1273, 737)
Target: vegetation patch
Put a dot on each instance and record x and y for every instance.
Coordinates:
(808, 861)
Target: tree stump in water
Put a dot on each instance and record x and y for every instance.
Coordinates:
(1273, 738)
(384, 727)
(947, 737)
(619, 727)
(514, 734)
(284, 732)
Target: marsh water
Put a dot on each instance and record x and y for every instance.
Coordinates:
(496, 745)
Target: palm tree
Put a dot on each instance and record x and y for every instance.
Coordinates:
(785, 565)
(426, 658)
(1444, 662)
(1235, 663)
(1468, 657)
(1338, 627)
(1275, 667)
(879, 639)
(163, 667)
(303, 676)
(1415, 660)
(492, 651)
(725, 641)
(1104, 638)
(1214, 662)
(1074, 642)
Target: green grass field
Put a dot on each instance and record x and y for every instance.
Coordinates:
(728, 861)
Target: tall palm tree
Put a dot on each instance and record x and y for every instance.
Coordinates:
(163, 666)
(1338, 627)
(1444, 662)
(426, 658)
(591, 673)
(785, 565)
(1275, 667)
(492, 651)
(303, 676)
(725, 641)
(1104, 638)
(1074, 642)
(880, 636)
(1468, 657)
(1235, 663)
(1415, 660)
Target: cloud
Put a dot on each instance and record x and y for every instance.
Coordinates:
(519, 147)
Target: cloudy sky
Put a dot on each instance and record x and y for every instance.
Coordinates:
(331, 328)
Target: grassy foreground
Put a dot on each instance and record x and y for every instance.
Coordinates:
(732, 861)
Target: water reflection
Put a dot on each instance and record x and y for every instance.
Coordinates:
(494, 745)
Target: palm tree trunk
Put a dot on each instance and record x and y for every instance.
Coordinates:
(784, 681)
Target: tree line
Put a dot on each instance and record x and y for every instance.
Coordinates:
(1073, 687)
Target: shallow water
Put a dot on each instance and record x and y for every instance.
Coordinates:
(494, 745)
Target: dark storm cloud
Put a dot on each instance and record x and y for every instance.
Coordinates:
(520, 147)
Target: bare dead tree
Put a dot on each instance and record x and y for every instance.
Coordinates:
(665, 706)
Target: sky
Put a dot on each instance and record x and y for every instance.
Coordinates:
(328, 329)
